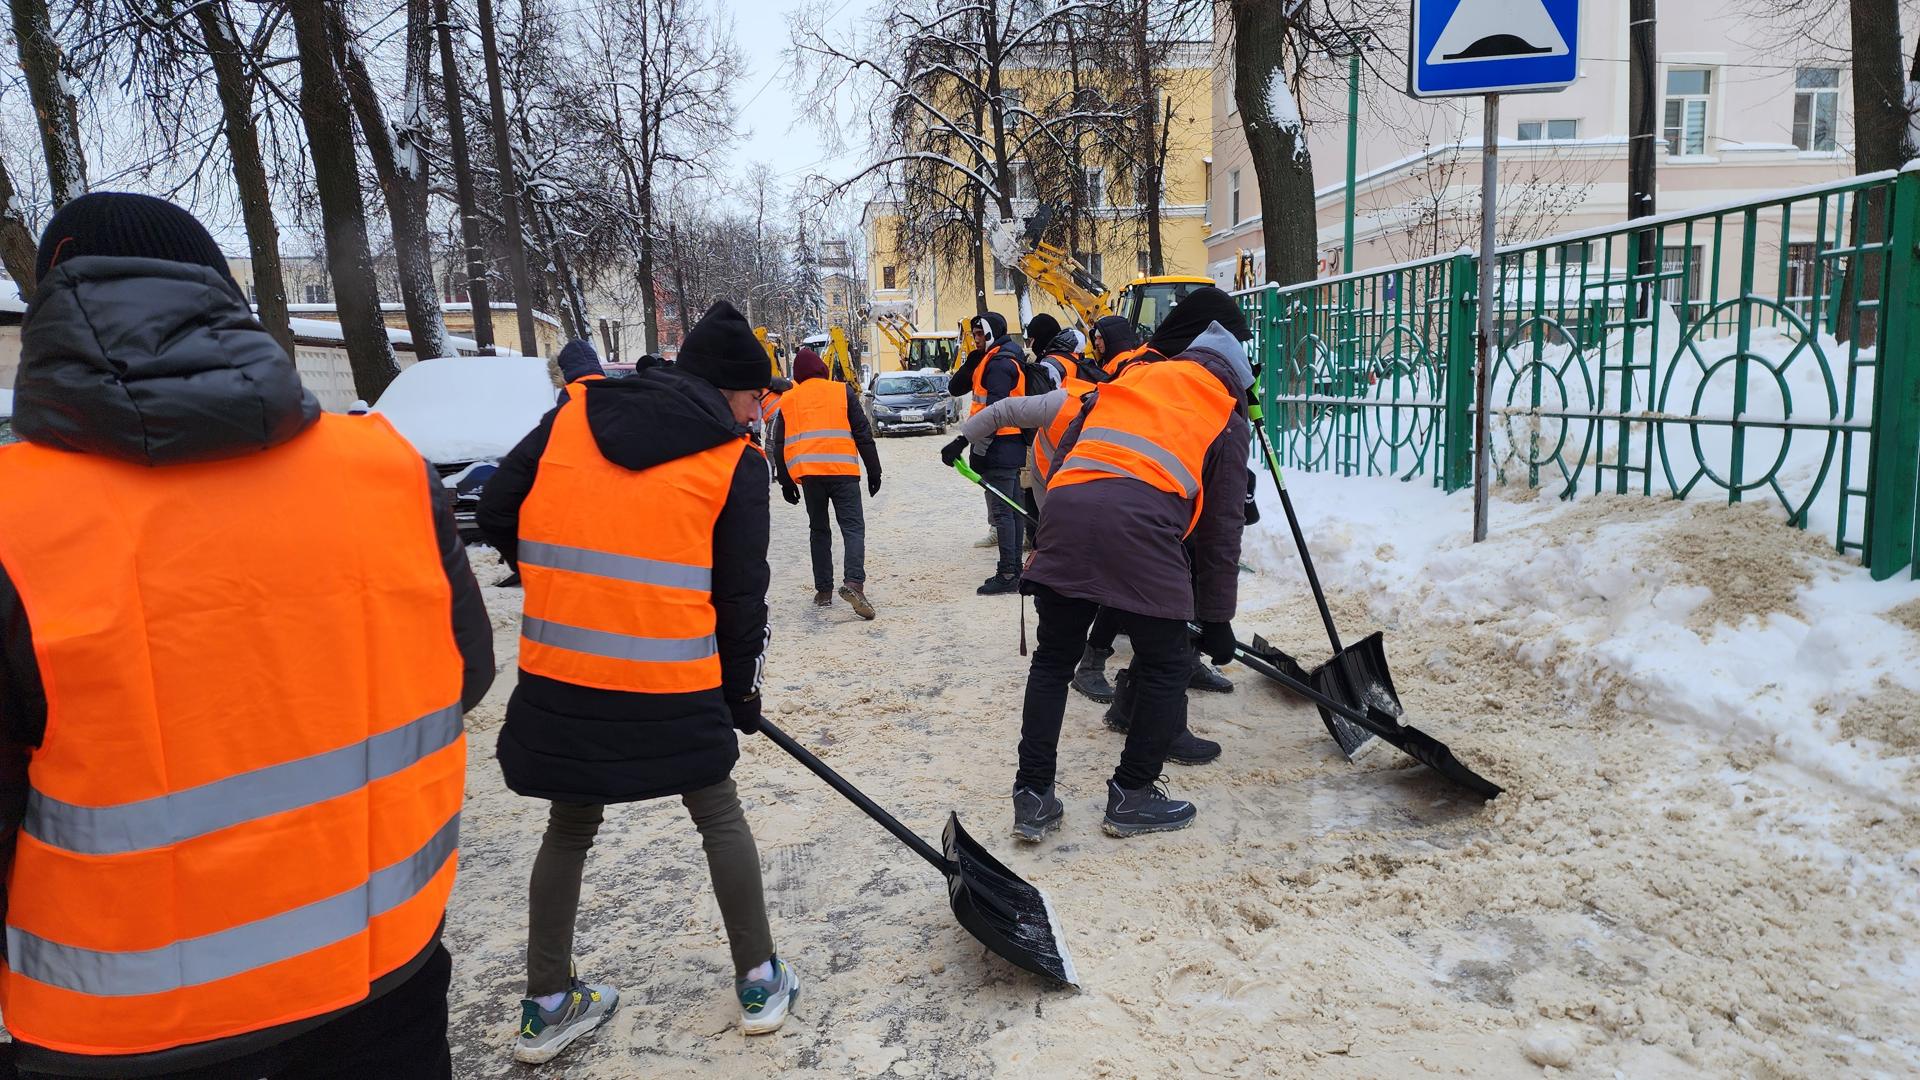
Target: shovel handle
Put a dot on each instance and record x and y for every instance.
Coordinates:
(1257, 415)
(855, 796)
(967, 471)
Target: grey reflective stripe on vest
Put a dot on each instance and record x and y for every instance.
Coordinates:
(247, 796)
(606, 564)
(617, 646)
(834, 459)
(196, 961)
(823, 433)
(1147, 448)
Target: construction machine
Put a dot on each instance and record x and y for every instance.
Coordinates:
(771, 343)
(833, 350)
(918, 349)
(1144, 301)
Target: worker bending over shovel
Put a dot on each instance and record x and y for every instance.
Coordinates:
(1156, 466)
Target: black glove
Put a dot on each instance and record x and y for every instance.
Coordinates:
(1252, 509)
(951, 452)
(746, 714)
(873, 484)
(790, 491)
(1216, 640)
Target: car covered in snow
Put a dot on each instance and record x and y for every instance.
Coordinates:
(463, 413)
(909, 402)
(6, 417)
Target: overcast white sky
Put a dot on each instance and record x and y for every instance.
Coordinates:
(769, 120)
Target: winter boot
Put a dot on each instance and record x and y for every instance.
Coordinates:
(546, 1032)
(857, 596)
(1035, 813)
(999, 585)
(1207, 677)
(1090, 678)
(823, 598)
(1120, 714)
(1191, 749)
(1144, 810)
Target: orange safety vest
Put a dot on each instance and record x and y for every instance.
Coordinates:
(1047, 440)
(618, 564)
(1114, 365)
(980, 388)
(1152, 424)
(817, 440)
(246, 806)
(589, 377)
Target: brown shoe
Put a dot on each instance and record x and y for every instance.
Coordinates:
(857, 596)
(823, 598)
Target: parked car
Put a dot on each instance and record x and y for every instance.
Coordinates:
(909, 402)
(463, 413)
(6, 417)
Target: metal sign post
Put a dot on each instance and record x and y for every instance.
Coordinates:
(1490, 47)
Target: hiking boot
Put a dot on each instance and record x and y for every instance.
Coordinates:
(823, 598)
(544, 1033)
(999, 584)
(764, 1003)
(1207, 677)
(992, 540)
(1144, 810)
(1090, 678)
(1191, 749)
(1120, 714)
(857, 596)
(1035, 813)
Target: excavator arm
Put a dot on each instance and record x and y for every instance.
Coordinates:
(1052, 270)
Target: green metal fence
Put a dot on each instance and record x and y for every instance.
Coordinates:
(1758, 350)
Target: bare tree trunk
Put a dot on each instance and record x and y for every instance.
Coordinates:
(1003, 167)
(679, 285)
(235, 87)
(649, 303)
(1277, 144)
(478, 294)
(516, 239)
(18, 250)
(979, 253)
(56, 111)
(336, 177)
(1880, 123)
(1153, 160)
(400, 167)
(1643, 65)
(564, 279)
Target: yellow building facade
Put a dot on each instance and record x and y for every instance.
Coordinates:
(939, 294)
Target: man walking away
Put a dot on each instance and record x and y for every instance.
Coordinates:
(1156, 466)
(638, 514)
(819, 439)
(998, 375)
(236, 640)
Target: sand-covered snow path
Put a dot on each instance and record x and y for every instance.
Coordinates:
(1648, 900)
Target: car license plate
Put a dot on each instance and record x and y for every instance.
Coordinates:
(913, 417)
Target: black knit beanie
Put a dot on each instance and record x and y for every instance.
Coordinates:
(721, 349)
(1041, 331)
(1189, 319)
(119, 223)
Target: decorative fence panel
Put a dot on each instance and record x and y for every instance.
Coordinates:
(1758, 350)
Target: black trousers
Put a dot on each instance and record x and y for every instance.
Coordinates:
(1105, 628)
(1006, 523)
(1161, 664)
(841, 496)
(400, 1035)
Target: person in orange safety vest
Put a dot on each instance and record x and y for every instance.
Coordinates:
(818, 442)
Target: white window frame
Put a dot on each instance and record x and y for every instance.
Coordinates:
(1011, 103)
(1002, 276)
(310, 291)
(1233, 197)
(1093, 186)
(1091, 262)
(1810, 98)
(1022, 171)
(1543, 130)
(1678, 147)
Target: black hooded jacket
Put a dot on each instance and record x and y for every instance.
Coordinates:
(585, 745)
(162, 363)
(1001, 377)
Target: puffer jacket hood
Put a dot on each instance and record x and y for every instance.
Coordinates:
(997, 323)
(578, 361)
(655, 416)
(1064, 343)
(1119, 334)
(153, 362)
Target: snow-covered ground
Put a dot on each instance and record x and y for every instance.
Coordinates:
(1703, 866)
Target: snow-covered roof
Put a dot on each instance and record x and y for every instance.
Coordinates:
(462, 408)
(329, 309)
(329, 331)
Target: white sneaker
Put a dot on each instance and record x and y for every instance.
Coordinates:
(764, 1003)
(544, 1034)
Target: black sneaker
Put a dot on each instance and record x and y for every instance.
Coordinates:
(1120, 714)
(1144, 810)
(1207, 677)
(1190, 749)
(1035, 813)
(1090, 677)
(999, 584)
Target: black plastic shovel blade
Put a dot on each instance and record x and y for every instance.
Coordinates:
(1352, 739)
(1000, 908)
(1358, 678)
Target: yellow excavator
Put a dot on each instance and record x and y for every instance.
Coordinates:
(1144, 301)
(770, 343)
(918, 349)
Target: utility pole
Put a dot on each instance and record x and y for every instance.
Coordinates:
(509, 186)
(1642, 66)
(1488, 302)
(477, 291)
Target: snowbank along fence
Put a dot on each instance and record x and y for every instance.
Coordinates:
(1760, 350)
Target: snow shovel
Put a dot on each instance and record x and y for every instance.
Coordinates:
(1374, 720)
(991, 902)
(1357, 676)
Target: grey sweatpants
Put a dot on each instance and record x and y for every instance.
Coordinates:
(553, 899)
